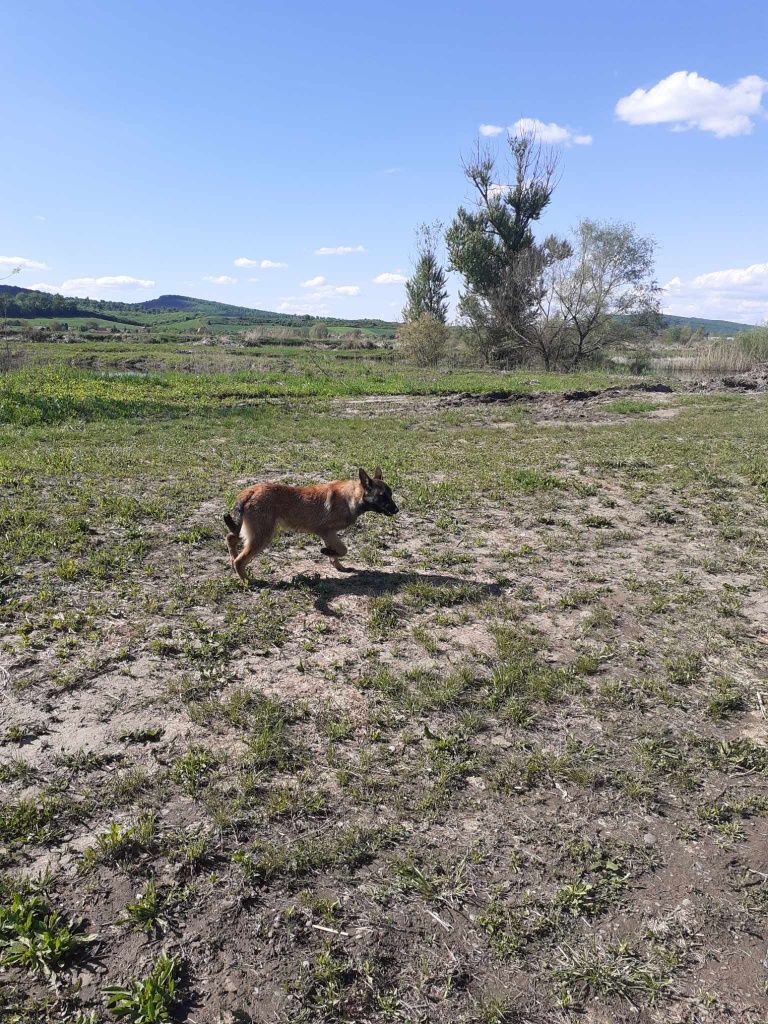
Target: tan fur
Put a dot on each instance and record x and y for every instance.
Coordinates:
(322, 509)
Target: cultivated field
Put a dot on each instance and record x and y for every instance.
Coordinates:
(513, 770)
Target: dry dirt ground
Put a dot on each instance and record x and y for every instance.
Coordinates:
(513, 769)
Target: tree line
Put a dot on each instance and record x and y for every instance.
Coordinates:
(28, 303)
(555, 302)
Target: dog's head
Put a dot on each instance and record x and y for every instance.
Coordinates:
(377, 496)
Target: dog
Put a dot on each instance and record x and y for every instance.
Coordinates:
(322, 509)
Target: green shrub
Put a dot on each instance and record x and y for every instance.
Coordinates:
(424, 341)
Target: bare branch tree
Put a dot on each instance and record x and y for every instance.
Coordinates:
(609, 276)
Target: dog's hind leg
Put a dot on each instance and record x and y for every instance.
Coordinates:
(232, 539)
(233, 523)
(258, 534)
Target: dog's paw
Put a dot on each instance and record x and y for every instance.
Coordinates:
(337, 565)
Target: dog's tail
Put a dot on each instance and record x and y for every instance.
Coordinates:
(234, 520)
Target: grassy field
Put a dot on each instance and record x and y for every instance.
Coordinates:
(172, 324)
(168, 315)
(512, 770)
(87, 378)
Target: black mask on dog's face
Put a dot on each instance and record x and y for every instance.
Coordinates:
(377, 495)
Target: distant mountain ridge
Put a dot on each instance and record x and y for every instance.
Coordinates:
(209, 307)
(26, 303)
(709, 326)
(187, 304)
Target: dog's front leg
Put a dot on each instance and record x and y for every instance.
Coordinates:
(335, 549)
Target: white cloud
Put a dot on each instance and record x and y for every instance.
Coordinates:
(40, 286)
(220, 279)
(490, 129)
(23, 262)
(388, 278)
(316, 301)
(339, 250)
(244, 261)
(549, 133)
(313, 282)
(89, 285)
(685, 100)
(753, 278)
(302, 307)
(738, 293)
(118, 281)
(324, 290)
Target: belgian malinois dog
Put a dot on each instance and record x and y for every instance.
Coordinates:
(322, 509)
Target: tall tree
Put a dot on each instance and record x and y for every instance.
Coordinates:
(426, 290)
(493, 246)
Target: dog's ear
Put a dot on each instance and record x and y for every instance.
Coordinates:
(377, 474)
(365, 480)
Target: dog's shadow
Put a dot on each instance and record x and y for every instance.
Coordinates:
(371, 583)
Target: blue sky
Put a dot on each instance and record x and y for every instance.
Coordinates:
(147, 147)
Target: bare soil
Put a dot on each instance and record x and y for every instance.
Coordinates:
(500, 791)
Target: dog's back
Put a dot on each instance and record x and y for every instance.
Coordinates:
(304, 509)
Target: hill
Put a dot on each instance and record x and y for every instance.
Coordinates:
(167, 312)
(724, 327)
(203, 307)
(185, 312)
